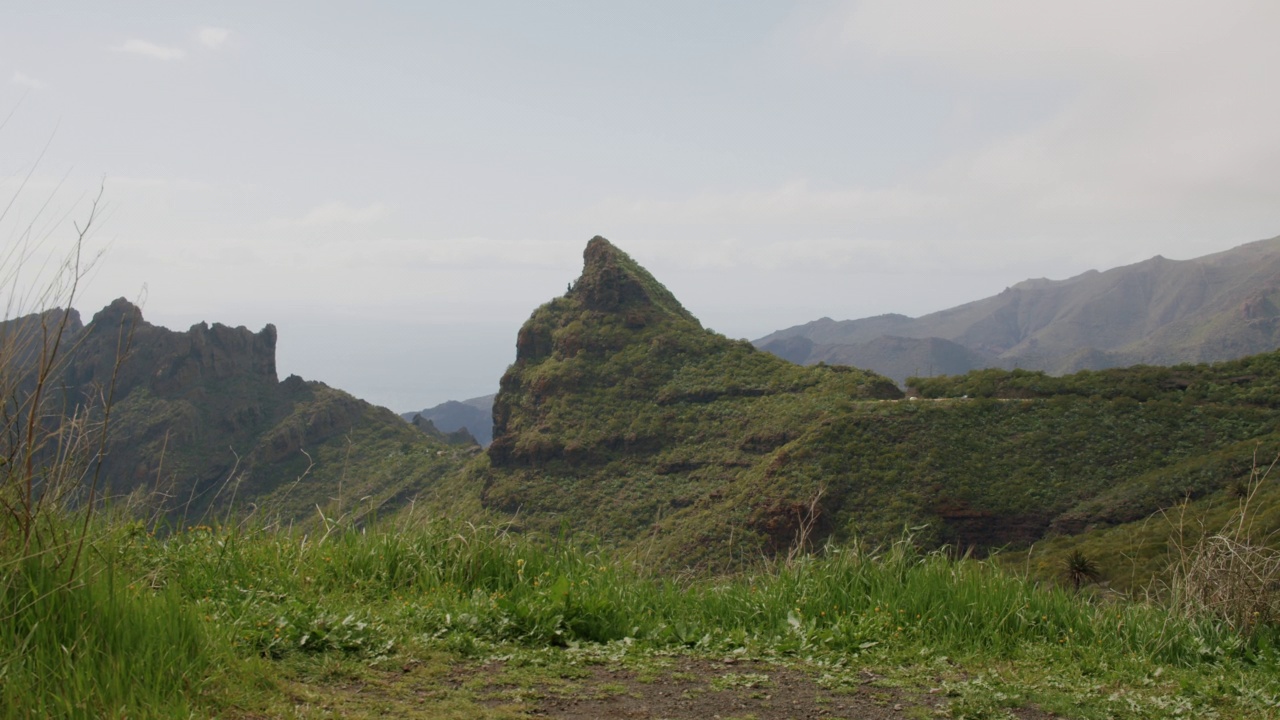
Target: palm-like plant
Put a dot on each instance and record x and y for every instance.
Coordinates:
(1080, 569)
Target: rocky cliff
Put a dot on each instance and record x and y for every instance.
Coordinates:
(200, 424)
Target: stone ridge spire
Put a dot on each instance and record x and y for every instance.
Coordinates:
(612, 282)
(167, 362)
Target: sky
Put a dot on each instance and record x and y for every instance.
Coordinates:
(397, 185)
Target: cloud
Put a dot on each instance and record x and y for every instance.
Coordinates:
(20, 78)
(791, 204)
(1153, 131)
(338, 213)
(212, 37)
(151, 50)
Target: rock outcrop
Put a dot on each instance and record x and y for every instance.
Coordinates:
(197, 412)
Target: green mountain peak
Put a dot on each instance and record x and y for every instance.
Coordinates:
(621, 410)
(612, 282)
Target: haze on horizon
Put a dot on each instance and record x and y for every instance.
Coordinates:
(398, 186)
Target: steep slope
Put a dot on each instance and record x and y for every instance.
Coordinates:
(624, 418)
(622, 412)
(1159, 311)
(200, 425)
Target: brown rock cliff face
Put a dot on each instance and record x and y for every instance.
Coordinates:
(605, 285)
(188, 409)
(165, 362)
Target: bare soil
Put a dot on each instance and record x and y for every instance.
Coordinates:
(703, 689)
(677, 687)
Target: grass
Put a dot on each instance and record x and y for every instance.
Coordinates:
(88, 647)
(235, 622)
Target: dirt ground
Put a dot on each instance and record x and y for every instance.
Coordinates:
(701, 689)
(677, 687)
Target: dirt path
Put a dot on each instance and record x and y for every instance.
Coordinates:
(707, 690)
(647, 688)
(704, 689)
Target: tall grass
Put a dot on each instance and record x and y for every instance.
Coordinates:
(74, 640)
(156, 626)
(367, 590)
(93, 648)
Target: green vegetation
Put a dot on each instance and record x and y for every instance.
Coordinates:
(226, 621)
(1249, 381)
(94, 646)
(629, 442)
(624, 418)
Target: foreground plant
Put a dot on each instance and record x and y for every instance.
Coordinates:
(1232, 573)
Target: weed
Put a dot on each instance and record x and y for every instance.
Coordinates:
(1231, 573)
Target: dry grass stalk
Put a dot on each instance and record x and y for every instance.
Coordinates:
(1229, 573)
(52, 440)
(806, 519)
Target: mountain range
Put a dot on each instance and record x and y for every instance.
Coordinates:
(623, 418)
(475, 416)
(1157, 312)
(201, 426)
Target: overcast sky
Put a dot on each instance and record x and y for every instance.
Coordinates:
(397, 185)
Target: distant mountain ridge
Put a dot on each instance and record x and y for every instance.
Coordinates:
(200, 423)
(1159, 312)
(474, 416)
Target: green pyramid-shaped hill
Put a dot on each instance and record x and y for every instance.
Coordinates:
(621, 410)
(623, 418)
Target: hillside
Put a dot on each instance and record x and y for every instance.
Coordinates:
(1160, 312)
(624, 418)
(200, 423)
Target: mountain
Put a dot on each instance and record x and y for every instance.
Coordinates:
(1159, 312)
(200, 424)
(474, 415)
(461, 436)
(624, 418)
